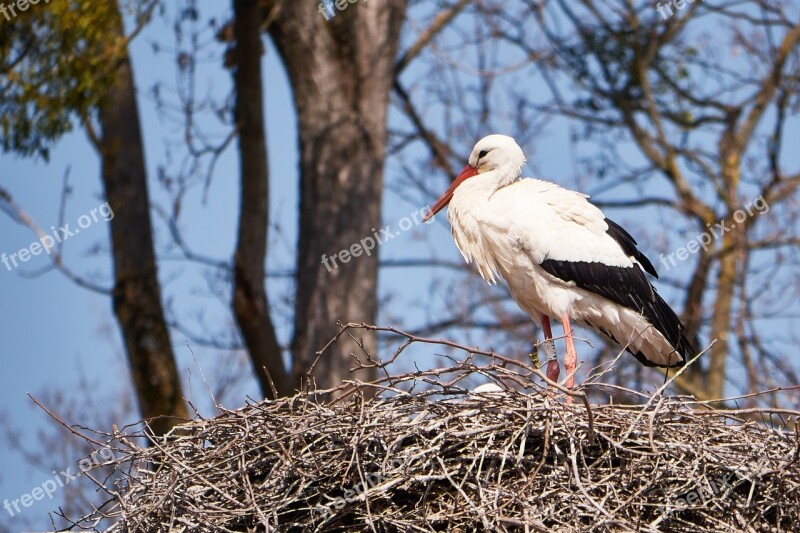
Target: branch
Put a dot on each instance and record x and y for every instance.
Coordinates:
(428, 35)
(19, 215)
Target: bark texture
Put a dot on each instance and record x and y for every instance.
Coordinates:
(137, 293)
(341, 71)
(250, 302)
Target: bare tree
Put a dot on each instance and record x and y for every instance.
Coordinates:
(341, 72)
(250, 302)
(137, 293)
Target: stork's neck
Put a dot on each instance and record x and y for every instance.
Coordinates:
(487, 183)
(468, 212)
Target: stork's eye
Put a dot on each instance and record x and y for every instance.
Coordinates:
(482, 154)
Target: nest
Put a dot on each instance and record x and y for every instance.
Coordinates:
(500, 461)
(448, 459)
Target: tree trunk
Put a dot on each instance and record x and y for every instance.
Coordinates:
(137, 294)
(693, 313)
(341, 71)
(250, 302)
(730, 161)
(721, 318)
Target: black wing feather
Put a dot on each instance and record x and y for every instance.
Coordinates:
(628, 287)
(628, 245)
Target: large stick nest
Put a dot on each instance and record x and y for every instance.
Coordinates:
(448, 459)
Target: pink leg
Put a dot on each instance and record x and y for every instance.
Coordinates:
(571, 359)
(548, 333)
(552, 365)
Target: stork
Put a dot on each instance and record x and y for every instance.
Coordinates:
(560, 256)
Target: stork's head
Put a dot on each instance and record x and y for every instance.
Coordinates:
(496, 158)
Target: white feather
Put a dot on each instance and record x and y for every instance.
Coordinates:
(509, 226)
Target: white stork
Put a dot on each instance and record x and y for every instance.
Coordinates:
(561, 257)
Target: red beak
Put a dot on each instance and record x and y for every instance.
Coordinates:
(467, 173)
